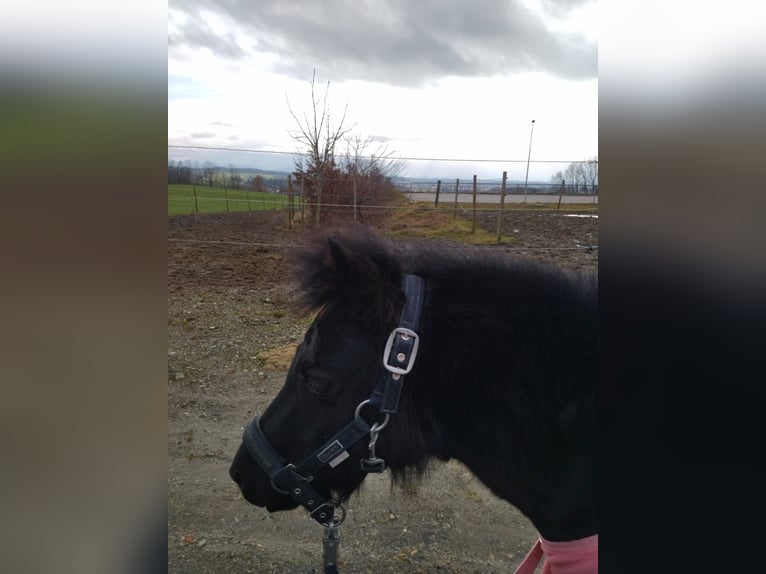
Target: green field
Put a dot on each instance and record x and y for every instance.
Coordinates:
(182, 201)
(188, 199)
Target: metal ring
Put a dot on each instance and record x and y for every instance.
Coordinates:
(377, 427)
(360, 407)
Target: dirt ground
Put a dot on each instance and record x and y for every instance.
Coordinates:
(230, 299)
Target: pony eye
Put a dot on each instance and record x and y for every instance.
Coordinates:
(319, 386)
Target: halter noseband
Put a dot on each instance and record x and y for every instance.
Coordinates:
(398, 359)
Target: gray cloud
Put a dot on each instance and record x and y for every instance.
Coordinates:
(558, 7)
(399, 41)
(197, 33)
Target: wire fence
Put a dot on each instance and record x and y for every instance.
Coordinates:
(312, 200)
(541, 176)
(303, 211)
(296, 154)
(196, 199)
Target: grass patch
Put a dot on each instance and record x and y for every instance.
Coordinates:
(182, 201)
(424, 221)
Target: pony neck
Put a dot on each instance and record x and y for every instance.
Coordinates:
(509, 380)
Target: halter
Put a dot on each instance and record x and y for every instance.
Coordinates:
(398, 359)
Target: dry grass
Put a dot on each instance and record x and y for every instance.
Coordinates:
(278, 359)
(422, 220)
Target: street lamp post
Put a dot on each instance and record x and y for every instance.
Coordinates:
(529, 155)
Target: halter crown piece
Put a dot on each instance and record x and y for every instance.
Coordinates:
(399, 357)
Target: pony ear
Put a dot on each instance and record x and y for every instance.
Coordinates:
(356, 270)
(337, 260)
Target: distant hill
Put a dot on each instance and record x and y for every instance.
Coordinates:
(277, 180)
(262, 172)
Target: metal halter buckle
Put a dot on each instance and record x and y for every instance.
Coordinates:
(405, 334)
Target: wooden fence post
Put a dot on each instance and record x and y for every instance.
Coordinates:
(226, 194)
(196, 207)
(473, 230)
(438, 187)
(354, 196)
(289, 202)
(561, 192)
(457, 187)
(303, 206)
(502, 208)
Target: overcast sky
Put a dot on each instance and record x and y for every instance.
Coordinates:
(429, 78)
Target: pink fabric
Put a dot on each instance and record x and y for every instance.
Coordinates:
(571, 557)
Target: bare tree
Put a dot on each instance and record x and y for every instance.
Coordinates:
(571, 176)
(318, 137)
(208, 171)
(590, 168)
(370, 172)
(234, 180)
(579, 177)
(258, 184)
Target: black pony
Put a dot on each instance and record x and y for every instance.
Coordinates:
(504, 380)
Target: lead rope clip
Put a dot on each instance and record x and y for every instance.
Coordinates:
(373, 463)
(330, 542)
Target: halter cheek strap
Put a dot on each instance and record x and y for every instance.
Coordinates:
(401, 347)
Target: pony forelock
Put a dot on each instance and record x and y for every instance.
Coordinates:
(355, 271)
